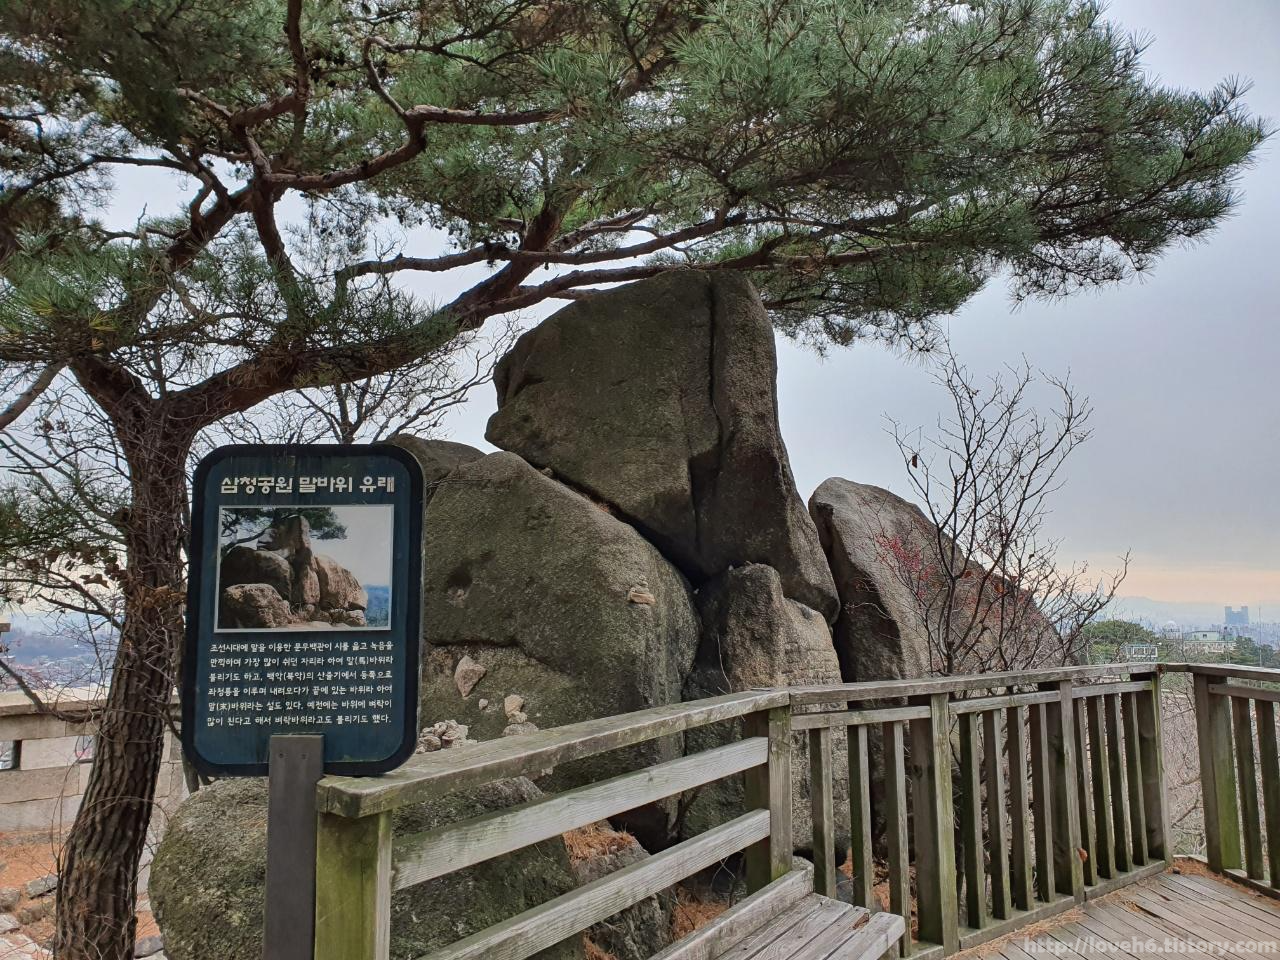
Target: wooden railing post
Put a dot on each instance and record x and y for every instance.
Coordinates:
(1154, 792)
(823, 809)
(1042, 790)
(1084, 798)
(1133, 774)
(353, 887)
(895, 816)
(1068, 869)
(1269, 754)
(1100, 768)
(993, 759)
(769, 788)
(974, 856)
(1120, 825)
(1247, 778)
(863, 866)
(934, 824)
(1217, 776)
(1020, 872)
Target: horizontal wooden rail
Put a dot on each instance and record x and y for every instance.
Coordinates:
(857, 718)
(983, 704)
(546, 925)
(1266, 674)
(1107, 689)
(420, 857)
(885, 690)
(1245, 693)
(433, 775)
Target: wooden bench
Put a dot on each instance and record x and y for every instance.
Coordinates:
(788, 921)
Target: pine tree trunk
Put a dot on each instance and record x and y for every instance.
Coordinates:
(97, 894)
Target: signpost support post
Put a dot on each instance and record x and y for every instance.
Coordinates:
(296, 765)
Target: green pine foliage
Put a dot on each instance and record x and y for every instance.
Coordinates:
(873, 164)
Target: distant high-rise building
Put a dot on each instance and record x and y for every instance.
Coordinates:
(1236, 618)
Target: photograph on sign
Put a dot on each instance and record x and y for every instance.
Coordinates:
(306, 567)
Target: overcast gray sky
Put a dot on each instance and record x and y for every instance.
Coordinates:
(1181, 366)
(366, 549)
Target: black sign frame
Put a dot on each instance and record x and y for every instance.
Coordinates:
(412, 601)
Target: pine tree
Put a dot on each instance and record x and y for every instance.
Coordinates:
(870, 165)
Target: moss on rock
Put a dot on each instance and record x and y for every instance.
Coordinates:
(209, 876)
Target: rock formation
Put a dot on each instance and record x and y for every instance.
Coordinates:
(244, 564)
(209, 873)
(640, 542)
(253, 605)
(753, 636)
(881, 634)
(437, 458)
(536, 584)
(338, 587)
(283, 582)
(659, 399)
(882, 551)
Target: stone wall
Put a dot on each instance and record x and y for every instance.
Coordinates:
(43, 791)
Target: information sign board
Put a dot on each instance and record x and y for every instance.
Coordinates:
(303, 606)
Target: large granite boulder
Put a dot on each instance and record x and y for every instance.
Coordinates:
(437, 458)
(893, 592)
(337, 587)
(209, 874)
(557, 603)
(290, 538)
(881, 633)
(753, 636)
(243, 564)
(283, 582)
(659, 398)
(252, 606)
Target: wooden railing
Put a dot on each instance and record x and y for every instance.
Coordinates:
(359, 863)
(1239, 769)
(995, 801)
(1059, 795)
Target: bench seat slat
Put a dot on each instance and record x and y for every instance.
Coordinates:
(768, 935)
(827, 924)
(868, 942)
(742, 919)
(812, 927)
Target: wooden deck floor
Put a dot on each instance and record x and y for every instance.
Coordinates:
(1171, 914)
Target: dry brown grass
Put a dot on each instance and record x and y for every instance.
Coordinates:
(594, 952)
(596, 840)
(692, 912)
(1029, 932)
(1195, 867)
